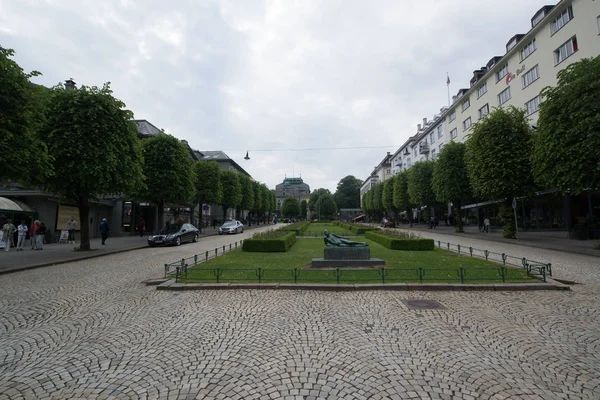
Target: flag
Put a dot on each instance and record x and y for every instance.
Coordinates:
(448, 80)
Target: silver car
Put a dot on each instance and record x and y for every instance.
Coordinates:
(234, 226)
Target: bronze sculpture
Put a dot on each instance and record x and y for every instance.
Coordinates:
(331, 239)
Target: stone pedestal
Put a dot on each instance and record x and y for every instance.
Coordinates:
(350, 257)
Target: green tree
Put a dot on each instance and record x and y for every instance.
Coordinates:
(498, 157)
(168, 173)
(420, 191)
(450, 180)
(232, 191)
(207, 183)
(258, 200)
(377, 195)
(266, 201)
(290, 207)
(566, 150)
(347, 194)
(326, 206)
(22, 104)
(303, 208)
(94, 146)
(387, 197)
(247, 203)
(401, 197)
(314, 197)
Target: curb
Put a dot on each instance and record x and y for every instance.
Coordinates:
(510, 287)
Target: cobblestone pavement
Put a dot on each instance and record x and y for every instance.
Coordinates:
(92, 330)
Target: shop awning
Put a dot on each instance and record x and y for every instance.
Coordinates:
(14, 205)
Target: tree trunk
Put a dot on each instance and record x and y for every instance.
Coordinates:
(84, 217)
(460, 221)
(225, 208)
(192, 209)
(409, 216)
(161, 215)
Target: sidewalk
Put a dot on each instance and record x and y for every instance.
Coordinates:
(58, 253)
(550, 240)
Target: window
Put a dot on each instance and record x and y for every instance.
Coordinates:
(452, 116)
(527, 50)
(538, 18)
(415, 152)
(483, 111)
(466, 124)
(481, 90)
(453, 134)
(432, 138)
(561, 20)
(504, 96)
(533, 105)
(440, 131)
(502, 73)
(466, 104)
(408, 163)
(564, 51)
(530, 76)
(433, 154)
(441, 146)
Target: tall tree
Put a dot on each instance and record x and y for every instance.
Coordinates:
(566, 152)
(247, 203)
(290, 207)
(232, 191)
(207, 183)
(303, 208)
(94, 146)
(450, 178)
(377, 194)
(266, 201)
(498, 157)
(168, 173)
(22, 104)
(258, 200)
(387, 197)
(314, 197)
(420, 191)
(326, 206)
(347, 194)
(401, 197)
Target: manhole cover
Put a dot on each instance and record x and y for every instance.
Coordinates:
(423, 305)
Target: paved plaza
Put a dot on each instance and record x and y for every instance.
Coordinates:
(91, 329)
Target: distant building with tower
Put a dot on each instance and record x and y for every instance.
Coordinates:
(291, 187)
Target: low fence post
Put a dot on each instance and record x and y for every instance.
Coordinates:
(524, 262)
(295, 274)
(543, 271)
(259, 270)
(216, 252)
(421, 273)
(487, 253)
(461, 272)
(166, 270)
(223, 249)
(217, 272)
(177, 274)
(229, 246)
(504, 257)
(448, 245)
(236, 245)
(206, 255)
(439, 244)
(471, 251)
(337, 275)
(503, 274)
(458, 245)
(382, 274)
(549, 267)
(195, 259)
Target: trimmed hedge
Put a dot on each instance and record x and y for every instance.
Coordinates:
(359, 230)
(401, 244)
(281, 244)
(297, 227)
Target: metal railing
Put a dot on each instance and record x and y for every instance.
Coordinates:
(172, 268)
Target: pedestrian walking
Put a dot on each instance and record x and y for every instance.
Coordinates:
(41, 235)
(33, 234)
(71, 226)
(141, 226)
(8, 233)
(486, 225)
(104, 230)
(22, 235)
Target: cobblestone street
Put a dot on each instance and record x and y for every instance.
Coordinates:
(92, 330)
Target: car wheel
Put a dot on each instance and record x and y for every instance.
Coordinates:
(195, 239)
(178, 241)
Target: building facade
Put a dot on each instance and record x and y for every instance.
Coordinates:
(291, 187)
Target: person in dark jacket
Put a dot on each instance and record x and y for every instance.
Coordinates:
(104, 230)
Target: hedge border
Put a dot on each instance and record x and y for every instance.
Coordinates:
(401, 244)
(281, 244)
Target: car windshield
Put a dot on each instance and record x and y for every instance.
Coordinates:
(170, 229)
(229, 224)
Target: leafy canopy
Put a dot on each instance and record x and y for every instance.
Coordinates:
(419, 187)
(207, 182)
(347, 194)
(450, 179)
(232, 189)
(566, 152)
(290, 207)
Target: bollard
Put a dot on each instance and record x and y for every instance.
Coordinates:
(471, 251)
(166, 270)
(206, 255)
(223, 249)
(176, 274)
(504, 257)
(439, 244)
(448, 245)
(216, 252)
(229, 246)
(458, 245)
(549, 267)
(195, 259)
(487, 253)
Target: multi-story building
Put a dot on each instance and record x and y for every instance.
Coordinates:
(559, 36)
(291, 187)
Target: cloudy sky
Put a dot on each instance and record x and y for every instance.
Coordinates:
(286, 80)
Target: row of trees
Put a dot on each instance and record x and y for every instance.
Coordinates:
(81, 144)
(505, 157)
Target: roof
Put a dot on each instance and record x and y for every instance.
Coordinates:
(145, 128)
(219, 156)
(14, 205)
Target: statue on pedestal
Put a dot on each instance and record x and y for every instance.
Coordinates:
(333, 240)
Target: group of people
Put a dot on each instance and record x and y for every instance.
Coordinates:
(37, 231)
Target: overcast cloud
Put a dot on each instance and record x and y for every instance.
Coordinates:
(266, 75)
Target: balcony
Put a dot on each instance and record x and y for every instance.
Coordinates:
(423, 148)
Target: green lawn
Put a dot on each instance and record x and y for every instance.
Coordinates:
(318, 229)
(403, 266)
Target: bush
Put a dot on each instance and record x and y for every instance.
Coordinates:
(394, 243)
(298, 227)
(281, 244)
(359, 229)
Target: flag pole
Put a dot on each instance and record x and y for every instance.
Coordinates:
(448, 85)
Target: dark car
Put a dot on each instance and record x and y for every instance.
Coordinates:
(234, 226)
(388, 223)
(174, 235)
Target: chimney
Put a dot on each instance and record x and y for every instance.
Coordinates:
(418, 127)
(424, 122)
(70, 84)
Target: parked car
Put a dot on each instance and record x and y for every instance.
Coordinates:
(234, 226)
(387, 223)
(174, 234)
